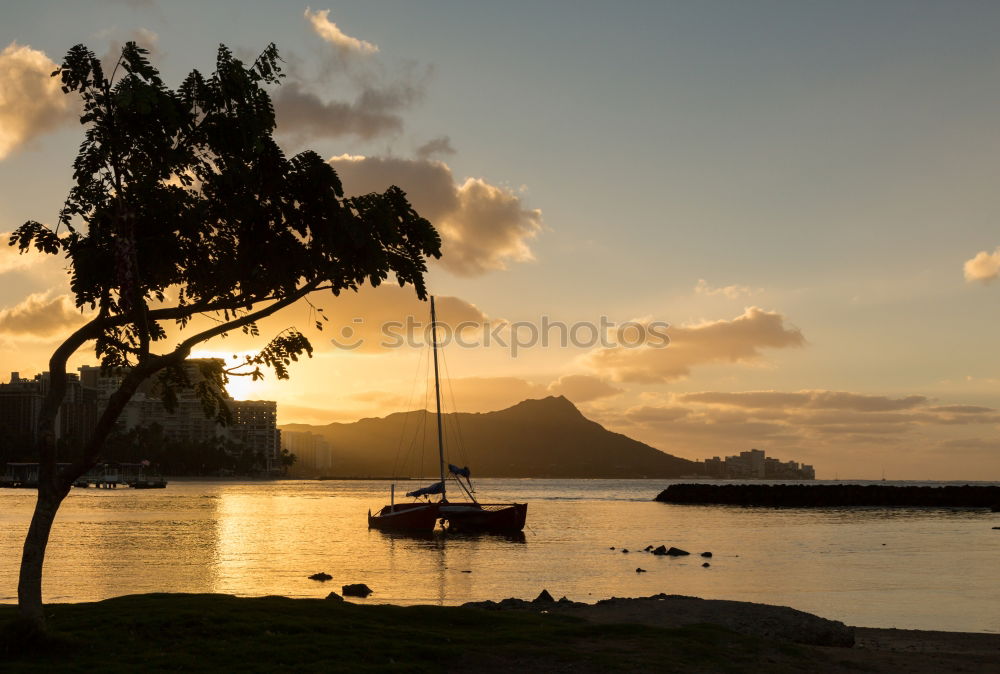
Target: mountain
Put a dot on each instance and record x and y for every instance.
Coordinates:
(535, 438)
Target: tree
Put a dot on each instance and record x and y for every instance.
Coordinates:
(184, 205)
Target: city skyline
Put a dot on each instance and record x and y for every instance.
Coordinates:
(838, 307)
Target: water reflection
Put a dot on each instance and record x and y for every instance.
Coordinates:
(443, 536)
(864, 566)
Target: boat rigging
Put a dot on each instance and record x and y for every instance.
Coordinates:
(466, 516)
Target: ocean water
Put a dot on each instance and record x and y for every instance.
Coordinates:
(906, 568)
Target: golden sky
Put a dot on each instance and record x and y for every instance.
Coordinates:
(805, 194)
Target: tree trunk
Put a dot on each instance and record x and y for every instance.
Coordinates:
(53, 484)
(29, 586)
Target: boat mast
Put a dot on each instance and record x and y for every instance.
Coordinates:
(437, 396)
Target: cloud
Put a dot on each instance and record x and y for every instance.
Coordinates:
(375, 112)
(732, 292)
(485, 394)
(145, 38)
(40, 315)
(696, 433)
(726, 341)
(136, 4)
(962, 409)
(483, 227)
(656, 415)
(435, 146)
(840, 409)
(836, 430)
(31, 101)
(581, 388)
(835, 400)
(836, 408)
(375, 320)
(12, 259)
(461, 394)
(330, 32)
(384, 399)
(984, 267)
(973, 445)
(303, 414)
(379, 94)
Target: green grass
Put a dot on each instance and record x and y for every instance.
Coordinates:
(171, 632)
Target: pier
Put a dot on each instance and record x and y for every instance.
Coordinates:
(102, 476)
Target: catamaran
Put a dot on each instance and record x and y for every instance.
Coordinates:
(459, 516)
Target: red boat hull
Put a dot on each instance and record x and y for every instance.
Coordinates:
(486, 517)
(457, 517)
(405, 517)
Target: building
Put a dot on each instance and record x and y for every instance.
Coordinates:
(254, 423)
(255, 426)
(755, 464)
(21, 405)
(313, 453)
(186, 423)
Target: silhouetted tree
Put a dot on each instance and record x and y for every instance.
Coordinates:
(182, 205)
(287, 461)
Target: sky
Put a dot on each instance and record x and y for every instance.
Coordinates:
(804, 192)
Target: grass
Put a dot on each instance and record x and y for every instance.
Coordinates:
(174, 632)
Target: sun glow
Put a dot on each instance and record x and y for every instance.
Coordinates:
(239, 387)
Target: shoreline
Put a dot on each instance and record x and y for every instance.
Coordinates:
(515, 603)
(657, 633)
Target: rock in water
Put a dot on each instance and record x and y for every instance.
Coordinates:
(662, 550)
(706, 565)
(321, 577)
(356, 590)
(333, 596)
(640, 570)
(677, 552)
(624, 549)
(706, 554)
(543, 597)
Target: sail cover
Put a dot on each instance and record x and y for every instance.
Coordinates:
(464, 472)
(435, 488)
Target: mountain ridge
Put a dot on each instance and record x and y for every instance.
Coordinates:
(538, 437)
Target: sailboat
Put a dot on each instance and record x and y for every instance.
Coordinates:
(457, 516)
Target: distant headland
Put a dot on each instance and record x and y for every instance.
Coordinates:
(537, 438)
(544, 438)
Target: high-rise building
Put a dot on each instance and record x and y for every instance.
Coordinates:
(20, 405)
(255, 426)
(314, 454)
(254, 423)
(756, 464)
(20, 408)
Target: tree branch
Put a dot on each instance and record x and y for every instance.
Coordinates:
(56, 393)
(141, 372)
